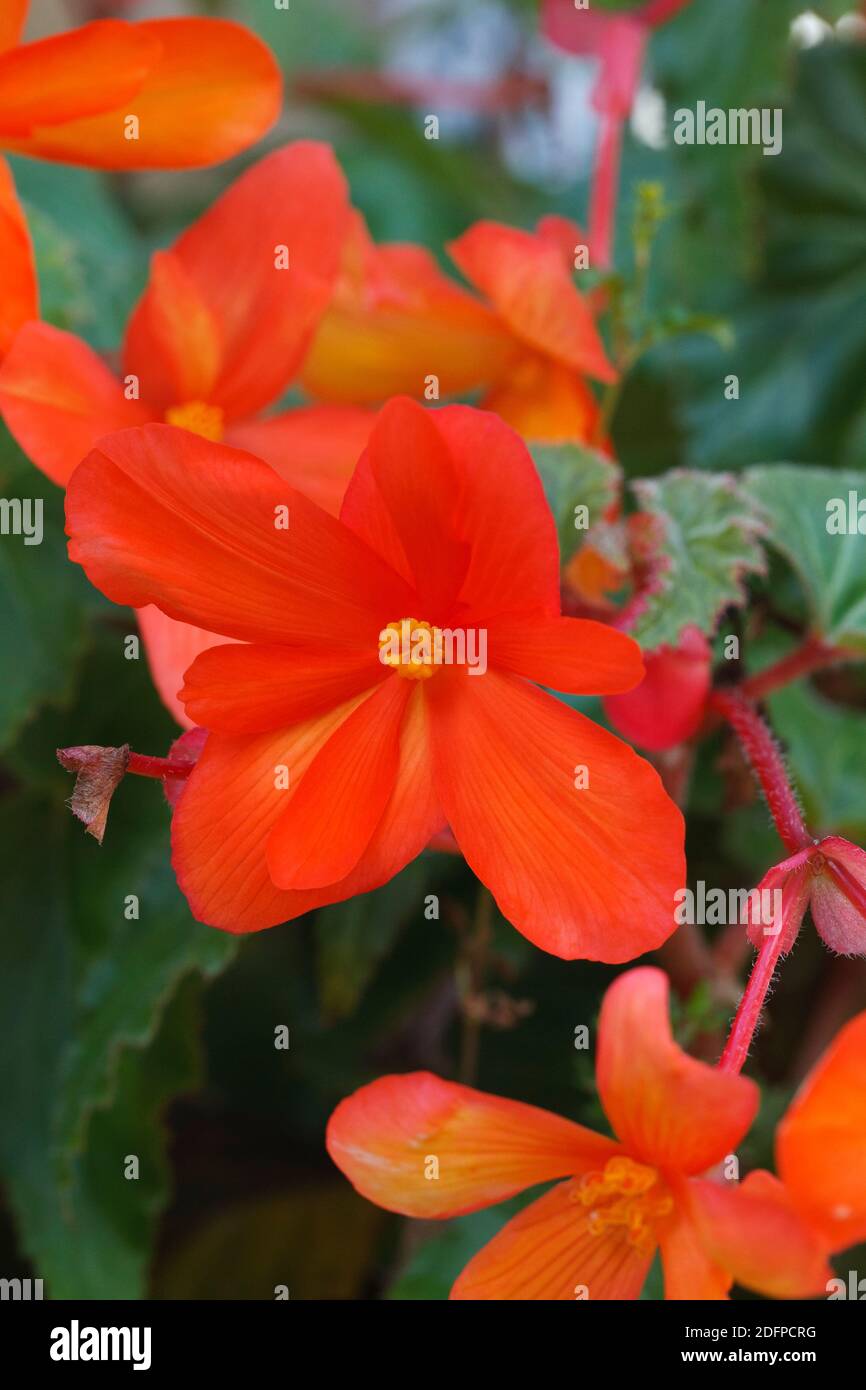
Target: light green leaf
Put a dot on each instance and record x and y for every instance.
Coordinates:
(575, 476)
(709, 545)
(795, 501)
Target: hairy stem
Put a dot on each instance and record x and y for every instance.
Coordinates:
(767, 764)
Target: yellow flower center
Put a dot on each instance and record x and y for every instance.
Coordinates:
(199, 418)
(628, 1195)
(412, 648)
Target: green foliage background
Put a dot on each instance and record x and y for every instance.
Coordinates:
(155, 1037)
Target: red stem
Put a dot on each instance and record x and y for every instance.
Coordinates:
(767, 764)
(749, 1010)
(605, 181)
(813, 655)
(145, 766)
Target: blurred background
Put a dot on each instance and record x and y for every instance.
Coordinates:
(156, 1037)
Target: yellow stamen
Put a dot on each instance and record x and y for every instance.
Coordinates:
(199, 418)
(622, 1196)
(412, 648)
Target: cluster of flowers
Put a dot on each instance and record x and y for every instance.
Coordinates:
(268, 553)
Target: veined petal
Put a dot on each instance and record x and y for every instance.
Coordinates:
(411, 514)
(499, 512)
(486, 1148)
(569, 654)
(210, 89)
(821, 1141)
(256, 272)
(170, 648)
(58, 398)
(690, 1273)
(548, 1252)
(331, 816)
(239, 790)
(315, 447)
(669, 1109)
(214, 537)
(754, 1231)
(571, 831)
(19, 291)
(248, 688)
(524, 276)
(74, 75)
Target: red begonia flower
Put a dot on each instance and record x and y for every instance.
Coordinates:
(329, 765)
(669, 704)
(821, 1141)
(218, 335)
(170, 93)
(397, 321)
(430, 1148)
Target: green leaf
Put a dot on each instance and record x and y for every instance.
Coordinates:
(354, 937)
(799, 326)
(796, 503)
(709, 545)
(86, 991)
(574, 476)
(42, 598)
(317, 1242)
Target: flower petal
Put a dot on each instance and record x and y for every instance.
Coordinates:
(499, 511)
(395, 323)
(315, 447)
(170, 648)
(248, 307)
(160, 515)
(12, 22)
(232, 801)
(346, 789)
(19, 292)
(412, 514)
(669, 1109)
(58, 398)
(753, 1231)
(582, 870)
(72, 76)
(821, 1141)
(486, 1147)
(545, 401)
(524, 276)
(211, 90)
(838, 897)
(248, 688)
(548, 1252)
(568, 654)
(689, 1271)
(669, 704)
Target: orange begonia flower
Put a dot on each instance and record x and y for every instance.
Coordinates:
(821, 1141)
(160, 94)
(594, 1235)
(397, 324)
(218, 335)
(333, 755)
